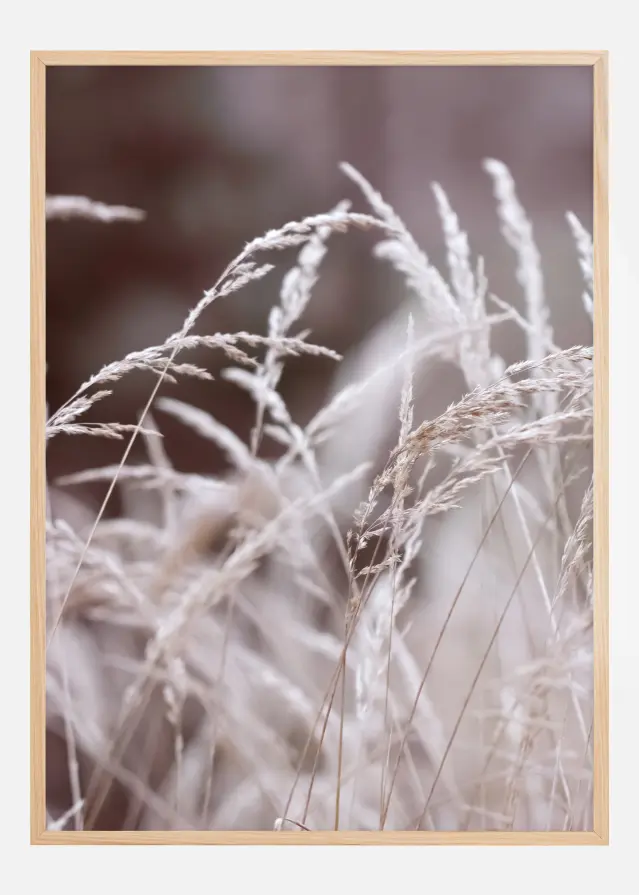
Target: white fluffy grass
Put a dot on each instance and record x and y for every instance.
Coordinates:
(389, 627)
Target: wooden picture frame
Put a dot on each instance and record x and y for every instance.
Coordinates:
(40, 60)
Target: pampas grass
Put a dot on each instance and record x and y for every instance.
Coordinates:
(386, 627)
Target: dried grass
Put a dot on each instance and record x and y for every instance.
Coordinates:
(389, 626)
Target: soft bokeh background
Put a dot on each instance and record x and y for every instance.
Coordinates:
(217, 155)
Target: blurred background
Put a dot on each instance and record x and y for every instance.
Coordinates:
(217, 155)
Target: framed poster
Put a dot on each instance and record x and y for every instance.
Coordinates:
(319, 448)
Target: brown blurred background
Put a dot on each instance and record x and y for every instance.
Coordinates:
(217, 155)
